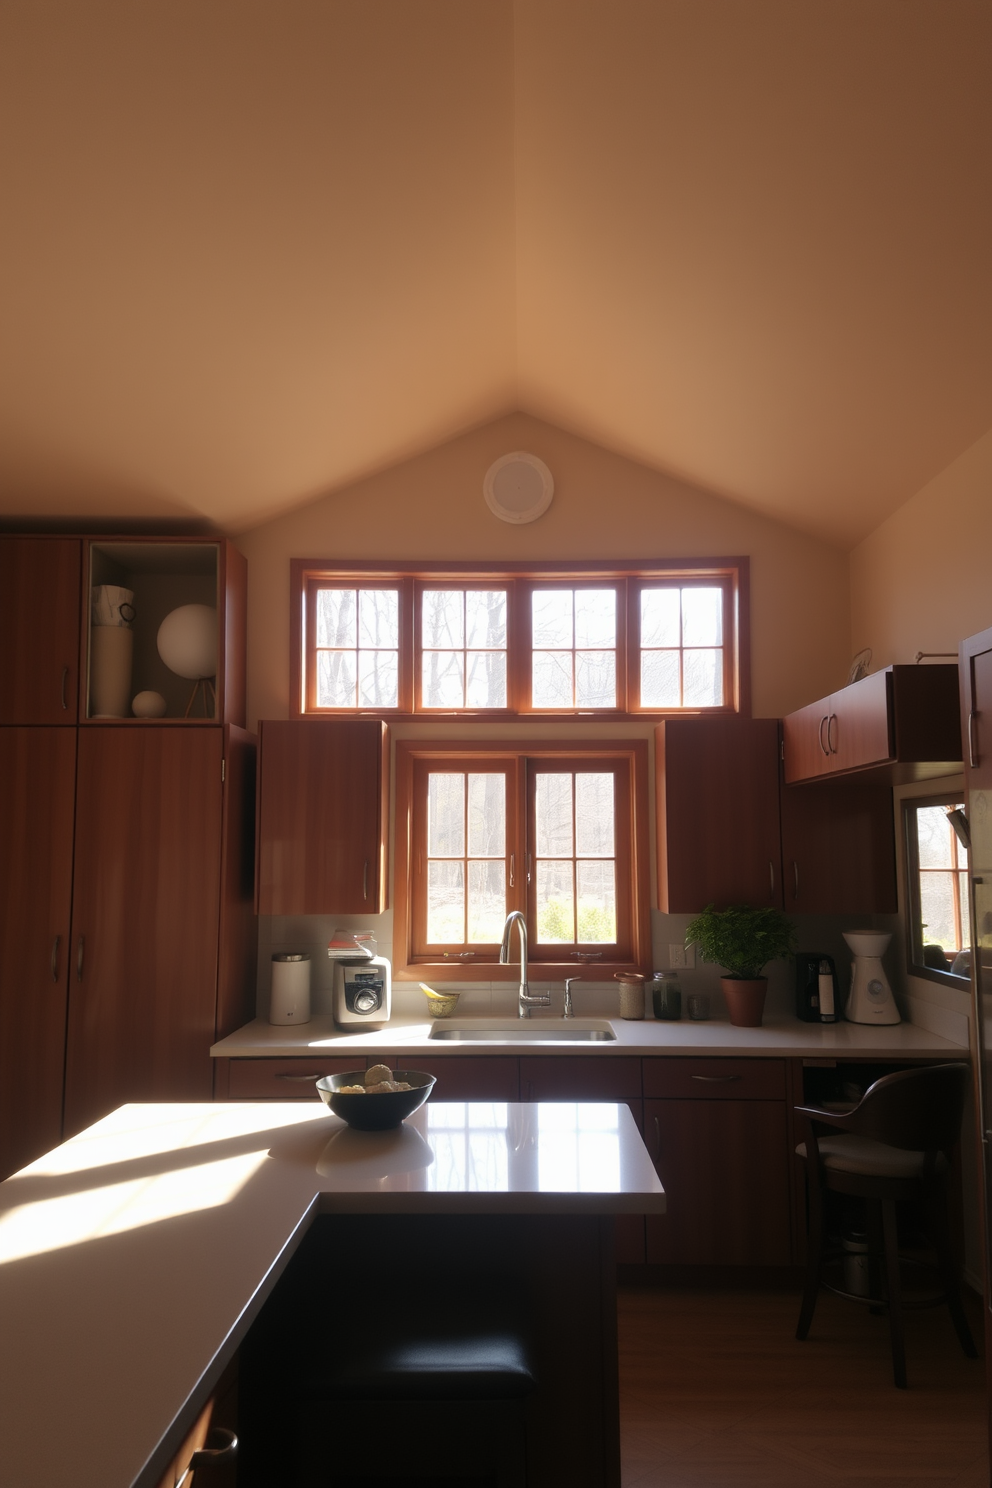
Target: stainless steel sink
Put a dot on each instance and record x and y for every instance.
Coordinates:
(521, 1030)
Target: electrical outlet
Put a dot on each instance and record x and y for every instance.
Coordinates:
(681, 956)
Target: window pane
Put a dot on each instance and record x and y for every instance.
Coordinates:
(702, 679)
(446, 816)
(595, 617)
(335, 679)
(660, 617)
(379, 617)
(378, 679)
(551, 610)
(555, 911)
(552, 679)
(485, 617)
(336, 617)
(443, 685)
(445, 903)
(937, 909)
(553, 809)
(597, 897)
(443, 617)
(486, 900)
(702, 617)
(595, 679)
(659, 679)
(486, 681)
(594, 815)
(933, 833)
(487, 816)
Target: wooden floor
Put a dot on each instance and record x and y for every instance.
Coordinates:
(717, 1393)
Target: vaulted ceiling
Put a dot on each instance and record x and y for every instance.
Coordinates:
(254, 249)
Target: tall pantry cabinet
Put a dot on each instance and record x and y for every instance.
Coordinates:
(126, 924)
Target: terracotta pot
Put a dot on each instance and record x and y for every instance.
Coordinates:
(745, 1000)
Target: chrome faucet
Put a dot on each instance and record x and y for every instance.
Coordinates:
(524, 1000)
(568, 995)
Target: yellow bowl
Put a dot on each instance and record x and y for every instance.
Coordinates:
(440, 1004)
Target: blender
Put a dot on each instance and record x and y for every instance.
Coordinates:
(870, 999)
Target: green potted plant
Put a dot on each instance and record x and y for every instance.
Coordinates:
(742, 940)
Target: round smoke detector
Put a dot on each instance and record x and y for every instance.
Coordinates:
(518, 487)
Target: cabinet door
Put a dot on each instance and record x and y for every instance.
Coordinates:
(804, 739)
(322, 817)
(39, 622)
(37, 787)
(469, 1078)
(838, 848)
(859, 728)
(718, 813)
(724, 1169)
(143, 971)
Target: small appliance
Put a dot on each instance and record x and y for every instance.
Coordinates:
(362, 991)
(816, 987)
(870, 999)
(289, 999)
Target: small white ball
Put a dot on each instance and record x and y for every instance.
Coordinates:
(187, 641)
(148, 705)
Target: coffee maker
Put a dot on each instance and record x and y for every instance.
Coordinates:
(816, 987)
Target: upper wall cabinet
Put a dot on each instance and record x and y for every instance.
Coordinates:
(39, 629)
(901, 723)
(161, 576)
(323, 817)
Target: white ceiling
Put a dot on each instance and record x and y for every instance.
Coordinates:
(255, 249)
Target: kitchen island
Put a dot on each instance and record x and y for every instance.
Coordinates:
(135, 1257)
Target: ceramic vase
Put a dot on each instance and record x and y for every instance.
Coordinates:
(111, 653)
(745, 1000)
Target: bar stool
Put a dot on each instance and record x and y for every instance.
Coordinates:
(892, 1146)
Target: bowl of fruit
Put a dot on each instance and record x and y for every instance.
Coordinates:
(375, 1099)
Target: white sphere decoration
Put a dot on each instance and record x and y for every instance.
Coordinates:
(148, 705)
(187, 641)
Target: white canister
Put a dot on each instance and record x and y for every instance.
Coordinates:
(289, 1001)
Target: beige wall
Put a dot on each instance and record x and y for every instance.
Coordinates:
(605, 506)
(922, 581)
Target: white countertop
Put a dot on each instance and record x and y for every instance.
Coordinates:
(134, 1257)
(782, 1038)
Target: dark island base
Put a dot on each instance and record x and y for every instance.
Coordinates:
(560, 1271)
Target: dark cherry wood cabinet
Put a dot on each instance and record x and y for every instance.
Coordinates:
(717, 795)
(472, 1077)
(719, 1140)
(838, 848)
(153, 810)
(904, 719)
(37, 789)
(323, 817)
(39, 622)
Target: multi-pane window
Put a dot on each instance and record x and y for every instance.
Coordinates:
(463, 648)
(574, 648)
(939, 868)
(357, 648)
(681, 646)
(660, 638)
(575, 857)
(466, 857)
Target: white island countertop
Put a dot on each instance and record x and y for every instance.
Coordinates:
(134, 1257)
(777, 1038)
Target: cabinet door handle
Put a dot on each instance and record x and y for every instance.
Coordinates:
(771, 878)
(657, 1137)
(831, 746)
(819, 734)
(207, 1456)
(795, 878)
(972, 757)
(365, 880)
(528, 1090)
(512, 869)
(715, 1079)
(55, 958)
(310, 1075)
(79, 959)
(65, 679)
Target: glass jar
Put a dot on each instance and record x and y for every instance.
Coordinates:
(666, 995)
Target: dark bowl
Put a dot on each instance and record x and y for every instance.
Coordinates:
(375, 1112)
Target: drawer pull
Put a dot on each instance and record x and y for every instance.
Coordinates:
(657, 1137)
(819, 734)
(79, 959)
(715, 1079)
(65, 678)
(313, 1075)
(55, 958)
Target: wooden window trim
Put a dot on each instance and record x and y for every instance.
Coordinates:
(914, 965)
(410, 577)
(632, 835)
